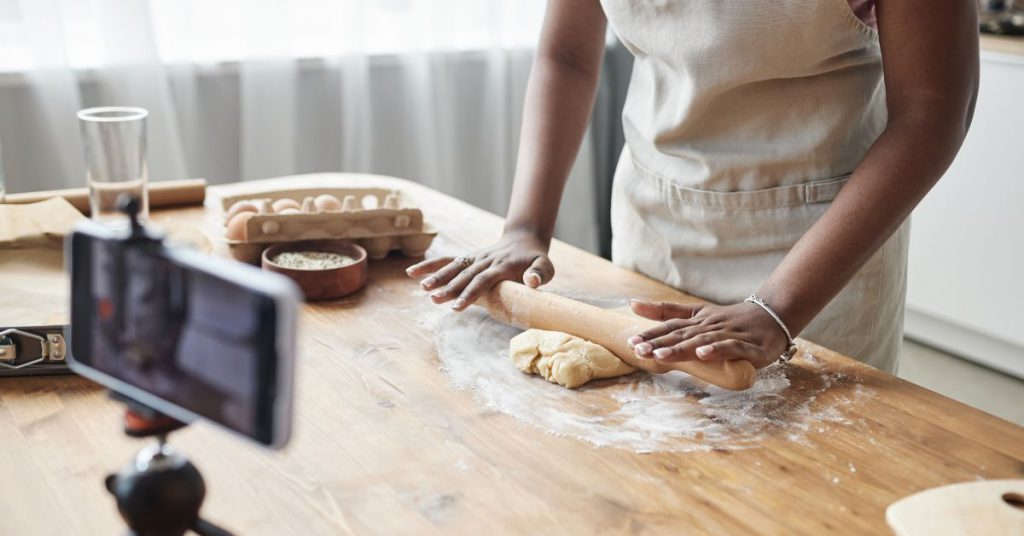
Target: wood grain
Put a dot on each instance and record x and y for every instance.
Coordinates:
(384, 445)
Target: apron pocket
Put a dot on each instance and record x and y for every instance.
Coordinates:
(727, 224)
(716, 245)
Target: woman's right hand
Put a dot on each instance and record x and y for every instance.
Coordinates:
(516, 256)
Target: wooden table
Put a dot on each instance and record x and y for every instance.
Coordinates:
(383, 444)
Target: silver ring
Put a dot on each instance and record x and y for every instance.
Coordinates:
(465, 261)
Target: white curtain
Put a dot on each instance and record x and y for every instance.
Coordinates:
(429, 90)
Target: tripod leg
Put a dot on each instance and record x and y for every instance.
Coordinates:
(205, 528)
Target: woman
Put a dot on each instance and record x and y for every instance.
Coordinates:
(769, 150)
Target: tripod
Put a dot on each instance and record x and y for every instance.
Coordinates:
(160, 492)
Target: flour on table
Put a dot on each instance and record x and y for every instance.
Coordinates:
(641, 412)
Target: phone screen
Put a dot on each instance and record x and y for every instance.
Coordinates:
(156, 324)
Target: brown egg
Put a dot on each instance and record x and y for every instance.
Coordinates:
(246, 205)
(327, 203)
(236, 226)
(282, 204)
(289, 210)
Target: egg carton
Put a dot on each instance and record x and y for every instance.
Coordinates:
(379, 220)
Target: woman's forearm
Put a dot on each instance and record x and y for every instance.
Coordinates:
(904, 163)
(930, 58)
(559, 99)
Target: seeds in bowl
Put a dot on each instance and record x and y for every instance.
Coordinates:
(312, 260)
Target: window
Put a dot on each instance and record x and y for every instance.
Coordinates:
(84, 34)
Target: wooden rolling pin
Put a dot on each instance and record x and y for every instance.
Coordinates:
(521, 306)
(161, 194)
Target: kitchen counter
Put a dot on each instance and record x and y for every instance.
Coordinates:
(384, 444)
(1003, 44)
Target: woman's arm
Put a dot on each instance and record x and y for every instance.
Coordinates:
(559, 98)
(930, 56)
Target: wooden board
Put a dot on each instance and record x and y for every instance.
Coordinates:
(993, 508)
(384, 445)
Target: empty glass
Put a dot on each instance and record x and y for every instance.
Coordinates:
(115, 159)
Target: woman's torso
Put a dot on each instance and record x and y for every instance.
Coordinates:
(743, 120)
(730, 95)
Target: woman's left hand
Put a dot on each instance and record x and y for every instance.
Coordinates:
(708, 333)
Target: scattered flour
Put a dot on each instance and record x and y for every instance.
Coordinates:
(640, 412)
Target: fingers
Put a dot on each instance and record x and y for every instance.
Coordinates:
(665, 334)
(674, 335)
(733, 349)
(704, 332)
(476, 288)
(428, 266)
(465, 279)
(445, 274)
(453, 289)
(540, 272)
(686, 350)
(664, 310)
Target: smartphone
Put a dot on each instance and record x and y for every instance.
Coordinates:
(186, 334)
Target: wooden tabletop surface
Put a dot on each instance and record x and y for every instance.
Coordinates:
(384, 444)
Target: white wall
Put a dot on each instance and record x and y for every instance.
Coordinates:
(966, 273)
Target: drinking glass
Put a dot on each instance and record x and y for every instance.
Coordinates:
(115, 159)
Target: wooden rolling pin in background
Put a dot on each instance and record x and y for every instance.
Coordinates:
(161, 194)
(521, 306)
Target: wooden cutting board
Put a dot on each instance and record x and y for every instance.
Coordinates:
(34, 287)
(992, 507)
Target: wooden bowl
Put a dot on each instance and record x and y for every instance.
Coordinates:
(328, 283)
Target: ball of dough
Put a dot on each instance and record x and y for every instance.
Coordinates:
(564, 359)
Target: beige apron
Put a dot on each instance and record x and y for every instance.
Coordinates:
(743, 121)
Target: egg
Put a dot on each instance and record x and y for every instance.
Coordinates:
(327, 203)
(289, 210)
(281, 204)
(236, 226)
(246, 205)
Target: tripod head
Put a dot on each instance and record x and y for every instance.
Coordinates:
(160, 492)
